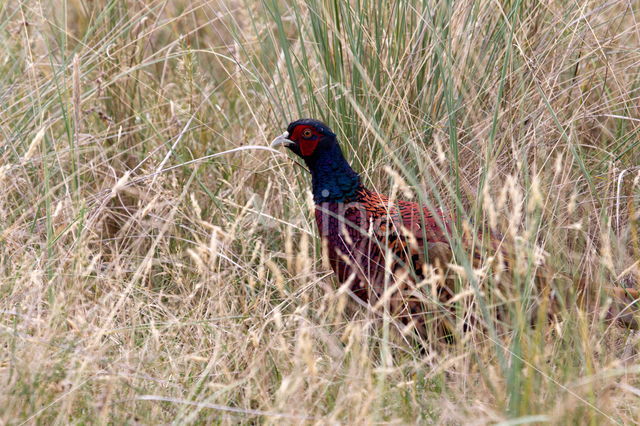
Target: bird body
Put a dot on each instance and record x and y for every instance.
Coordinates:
(378, 247)
(362, 232)
(394, 255)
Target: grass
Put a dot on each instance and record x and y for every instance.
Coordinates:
(139, 286)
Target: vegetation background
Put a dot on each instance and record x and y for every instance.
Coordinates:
(138, 285)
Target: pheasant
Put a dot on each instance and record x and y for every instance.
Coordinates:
(393, 255)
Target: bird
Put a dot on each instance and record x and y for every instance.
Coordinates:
(396, 256)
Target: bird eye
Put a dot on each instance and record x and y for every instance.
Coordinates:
(306, 133)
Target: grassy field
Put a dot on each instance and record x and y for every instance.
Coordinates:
(158, 264)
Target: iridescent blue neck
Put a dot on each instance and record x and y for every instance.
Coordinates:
(333, 180)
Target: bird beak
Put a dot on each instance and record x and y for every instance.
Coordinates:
(282, 140)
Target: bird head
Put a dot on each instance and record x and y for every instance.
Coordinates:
(332, 177)
(306, 138)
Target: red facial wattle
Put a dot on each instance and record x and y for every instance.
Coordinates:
(308, 146)
(306, 138)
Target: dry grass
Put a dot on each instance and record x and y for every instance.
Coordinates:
(138, 288)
